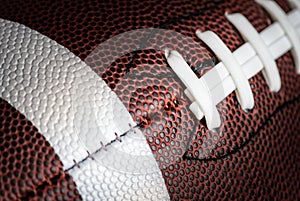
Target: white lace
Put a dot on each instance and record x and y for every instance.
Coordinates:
(295, 3)
(232, 73)
(252, 36)
(278, 14)
(200, 95)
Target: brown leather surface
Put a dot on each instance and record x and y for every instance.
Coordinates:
(253, 156)
(29, 166)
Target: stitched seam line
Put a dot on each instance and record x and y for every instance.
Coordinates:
(100, 149)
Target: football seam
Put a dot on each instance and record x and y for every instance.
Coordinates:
(249, 139)
(168, 22)
(185, 157)
(90, 155)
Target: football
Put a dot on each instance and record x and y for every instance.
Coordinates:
(150, 100)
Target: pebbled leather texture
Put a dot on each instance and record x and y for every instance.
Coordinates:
(54, 89)
(255, 155)
(126, 170)
(30, 168)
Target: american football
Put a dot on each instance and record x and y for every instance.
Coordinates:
(150, 100)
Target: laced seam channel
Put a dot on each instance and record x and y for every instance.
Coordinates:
(243, 89)
(279, 15)
(250, 34)
(197, 90)
(219, 82)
